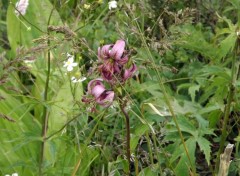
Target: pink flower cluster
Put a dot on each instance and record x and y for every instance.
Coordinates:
(114, 63)
(115, 69)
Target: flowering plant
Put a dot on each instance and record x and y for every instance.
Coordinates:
(114, 70)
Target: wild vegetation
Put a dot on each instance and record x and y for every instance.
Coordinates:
(128, 87)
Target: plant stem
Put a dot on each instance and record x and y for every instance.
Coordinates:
(127, 136)
(45, 110)
(228, 106)
(45, 116)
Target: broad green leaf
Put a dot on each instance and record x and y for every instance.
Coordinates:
(20, 139)
(186, 125)
(183, 166)
(138, 132)
(63, 105)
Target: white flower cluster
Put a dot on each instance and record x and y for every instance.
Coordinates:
(70, 64)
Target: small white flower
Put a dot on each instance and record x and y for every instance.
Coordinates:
(112, 4)
(21, 7)
(7, 175)
(75, 80)
(15, 174)
(69, 63)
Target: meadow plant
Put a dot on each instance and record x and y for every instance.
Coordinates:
(171, 71)
(114, 71)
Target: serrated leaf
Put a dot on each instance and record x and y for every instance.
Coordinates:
(226, 45)
(192, 91)
(204, 145)
(186, 125)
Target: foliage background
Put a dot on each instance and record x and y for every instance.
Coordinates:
(188, 67)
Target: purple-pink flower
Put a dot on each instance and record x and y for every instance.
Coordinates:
(114, 58)
(129, 72)
(102, 96)
(115, 69)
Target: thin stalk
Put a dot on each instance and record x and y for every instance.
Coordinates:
(127, 136)
(228, 106)
(45, 110)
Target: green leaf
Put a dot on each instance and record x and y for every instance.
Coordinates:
(186, 125)
(193, 39)
(20, 139)
(226, 45)
(204, 145)
(152, 170)
(192, 91)
(63, 105)
(183, 166)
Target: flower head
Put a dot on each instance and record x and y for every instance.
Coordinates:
(101, 96)
(69, 63)
(21, 7)
(112, 4)
(113, 59)
(106, 98)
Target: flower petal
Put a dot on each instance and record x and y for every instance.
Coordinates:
(103, 53)
(129, 72)
(123, 60)
(93, 83)
(97, 90)
(106, 98)
(117, 50)
(69, 68)
(74, 64)
(70, 59)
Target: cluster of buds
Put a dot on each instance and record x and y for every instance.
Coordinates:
(115, 69)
